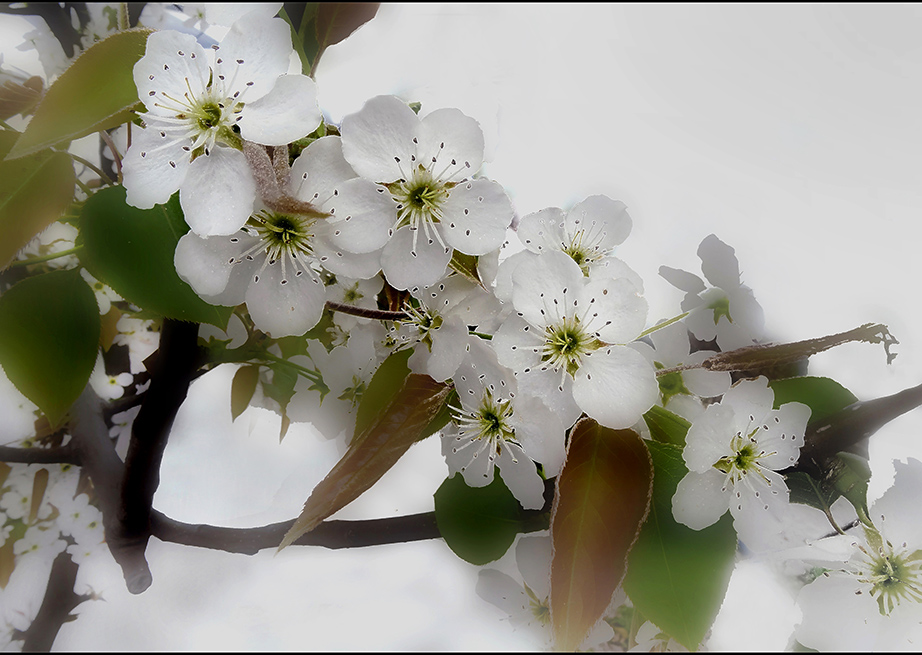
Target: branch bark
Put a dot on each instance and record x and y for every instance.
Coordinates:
(60, 599)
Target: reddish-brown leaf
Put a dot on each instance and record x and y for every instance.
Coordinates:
(242, 389)
(373, 452)
(602, 498)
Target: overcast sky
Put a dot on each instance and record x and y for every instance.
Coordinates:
(793, 132)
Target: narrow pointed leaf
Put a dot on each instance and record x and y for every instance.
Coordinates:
(465, 265)
(384, 385)
(132, 249)
(677, 577)
(478, 523)
(34, 192)
(96, 93)
(242, 389)
(49, 337)
(602, 499)
(373, 452)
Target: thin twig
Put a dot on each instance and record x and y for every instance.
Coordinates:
(378, 314)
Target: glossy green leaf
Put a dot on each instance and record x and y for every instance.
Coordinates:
(49, 337)
(823, 396)
(666, 427)
(34, 192)
(677, 577)
(384, 385)
(96, 93)
(602, 499)
(373, 451)
(132, 249)
(478, 523)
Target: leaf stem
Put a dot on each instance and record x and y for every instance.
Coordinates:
(102, 176)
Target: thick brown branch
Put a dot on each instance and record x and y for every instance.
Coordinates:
(60, 599)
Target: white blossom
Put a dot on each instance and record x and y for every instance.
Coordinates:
(728, 311)
(733, 452)
(197, 101)
(428, 166)
(572, 328)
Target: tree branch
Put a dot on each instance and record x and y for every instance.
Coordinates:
(60, 599)
(329, 534)
(66, 454)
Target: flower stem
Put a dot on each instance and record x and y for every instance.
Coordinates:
(45, 258)
(378, 314)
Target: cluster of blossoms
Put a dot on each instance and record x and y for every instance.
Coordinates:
(388, 220)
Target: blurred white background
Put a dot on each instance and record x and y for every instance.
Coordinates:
(793, 132)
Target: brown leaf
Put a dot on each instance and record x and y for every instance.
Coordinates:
(373, 452)
(337, 20)
(602, 499)
(39, 485)
(242, 389)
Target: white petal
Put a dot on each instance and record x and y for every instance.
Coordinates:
(450, 144)
(750, 401)
(699, 500)
(256, 52)
(362, 216)
(285, 309)
(542, 230)
(503, 591)
(540, 432)
(896, 512)
(319, 169)
(708, 439)
(688, 282)
(554, 390)
(702, 382)
(404, 269)
(518, 344)
(836, 617)
(475, 217)
(605, 221)
(219, 193)
(448, 348)
(153, 169)
(545, 287)
(758, 506)
(614, 309)
(340, 262)
(379, 138)
(671, 343)
(205, 264)
(163, 69)
(533, 557)
(288, 112)
(782, 433)
(615, 386)
(719, 263)
(521, 478)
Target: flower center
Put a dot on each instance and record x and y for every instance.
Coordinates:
(585, 249)
(720, 307)
(282, 238)
(745, 459)
(565, 344)
(419, 198)
(488, 425)
(894, 575)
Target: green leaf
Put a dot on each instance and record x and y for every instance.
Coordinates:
(602, 499)
(49, 337)
(666, 427)
(34, 192)
(96, 93)
(316, 26)
(823, 396)
(242, 389)
(677, 577)
(384, 386)
(373, 451)
(478, 523)
(132, 249)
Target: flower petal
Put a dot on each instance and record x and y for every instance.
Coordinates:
(605, 221)
(379, 138)
(719, 263)
(475, 217)
(288, 112)
(405, 268)
(153, 169)
(450, 144)
(218, 194)
(615, 386)
(285, 305)
(700, 499)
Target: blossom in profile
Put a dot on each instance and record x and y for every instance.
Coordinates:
(872, 599)
(572, 328)
(727, 311)
(495, 426)
(733, 452)
(201, 105)
(275, 263)
(427, 166)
